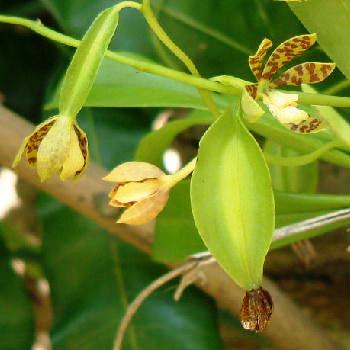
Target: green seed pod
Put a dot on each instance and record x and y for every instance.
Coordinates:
(232, 200)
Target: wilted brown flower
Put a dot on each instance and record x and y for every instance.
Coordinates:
(256, 310)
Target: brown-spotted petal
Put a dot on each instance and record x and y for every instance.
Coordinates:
(308, 126)
(305, 73)
(146, 210)
(256, 61)
(32, 142)
(286, 51)
(252, 90)
(83, 145)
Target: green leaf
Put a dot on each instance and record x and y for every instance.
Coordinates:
(119, 85)
(16, 316)
(113, 134)
(233, 207)
(176, 236)
(92, 278)
(82, 71)
(152, 147)
(291, 179)
(319, 16)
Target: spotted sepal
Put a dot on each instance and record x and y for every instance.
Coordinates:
(286, 51)
(252, 90)
(83, 145)
(256, 61)
(305, 73)
(310, 125)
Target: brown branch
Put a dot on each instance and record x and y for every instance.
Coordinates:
(290, 328)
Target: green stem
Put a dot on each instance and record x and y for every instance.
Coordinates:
(300, 160)
(322, 100)
(180, 54)
(180, 175)
(142, 66)
(197, 82)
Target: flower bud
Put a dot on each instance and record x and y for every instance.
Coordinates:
(142, 188)
(57, 145)
(256, 310)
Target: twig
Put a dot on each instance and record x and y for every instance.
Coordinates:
(144, 294)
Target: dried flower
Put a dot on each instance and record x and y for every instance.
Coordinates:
(143, 189)
(57, 145)
(256, 310)
(284, 106)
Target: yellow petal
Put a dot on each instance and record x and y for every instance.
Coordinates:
(75, 160)
(144, 211)
(133, 171)
(20, 152)
(136, 191)
(54, 148)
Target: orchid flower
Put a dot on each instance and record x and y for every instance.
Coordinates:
(284, 106)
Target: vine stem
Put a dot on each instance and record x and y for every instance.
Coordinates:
(180, 54)
(182, 173)
(142, 66)
(300, 160)
(144, 294)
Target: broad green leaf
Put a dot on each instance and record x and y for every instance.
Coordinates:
(287, 203)
(113, 134)
(331, 21)
(119, 85)
(152, 147)
(176, 236)
(233, 207)
(16, 316)
(93, 277)
(82, 71)
(291, 179)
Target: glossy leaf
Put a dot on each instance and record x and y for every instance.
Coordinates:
(176, 236)
(291, 179)
(319, 16)
(232, 207)
(82, 71)
(152, 147)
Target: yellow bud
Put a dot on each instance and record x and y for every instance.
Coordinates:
(56, 146)
(140, 187)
